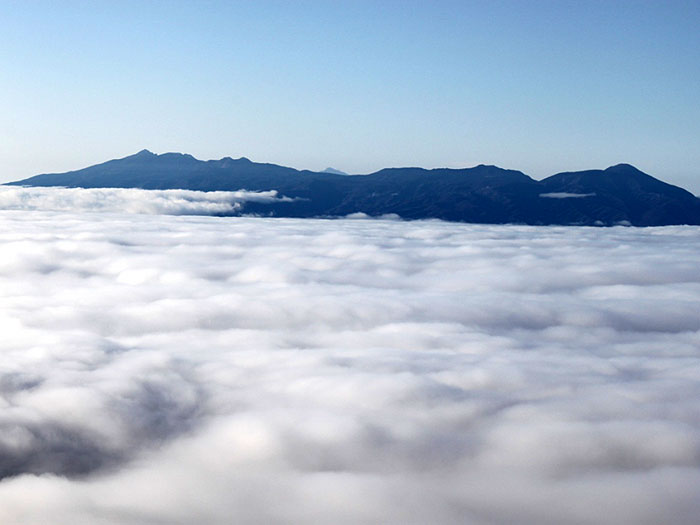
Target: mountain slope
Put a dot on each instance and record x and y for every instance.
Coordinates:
(486, 194)
(622, 193)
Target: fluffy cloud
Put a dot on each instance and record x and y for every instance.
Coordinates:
(131, 200)
(217, 370)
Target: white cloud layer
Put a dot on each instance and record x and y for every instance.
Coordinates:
(565, 195)
(132, 200)
(239, 370)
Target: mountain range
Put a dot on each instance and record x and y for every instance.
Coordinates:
(620, 194)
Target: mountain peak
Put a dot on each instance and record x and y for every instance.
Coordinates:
(483, 194)
(333, 171)
(623, 168)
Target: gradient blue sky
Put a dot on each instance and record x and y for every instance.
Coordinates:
(537, 86)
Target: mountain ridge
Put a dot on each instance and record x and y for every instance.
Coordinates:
(619, 194)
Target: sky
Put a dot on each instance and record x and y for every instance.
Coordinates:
(192, 369)
(538, 86)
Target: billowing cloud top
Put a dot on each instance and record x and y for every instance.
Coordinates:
(239, 370)
(131, 200)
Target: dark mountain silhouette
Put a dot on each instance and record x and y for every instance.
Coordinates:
(486, 194)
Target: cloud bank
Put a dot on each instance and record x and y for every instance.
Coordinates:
(132, 200)
(240, 370)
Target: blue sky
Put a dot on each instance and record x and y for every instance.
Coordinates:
(538, 86)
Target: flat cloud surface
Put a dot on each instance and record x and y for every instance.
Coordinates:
(159, 369)
(132, 200)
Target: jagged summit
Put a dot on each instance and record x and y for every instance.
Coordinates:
(147, 154)
(619, 194)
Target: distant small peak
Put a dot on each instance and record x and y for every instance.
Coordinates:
(333, 171)
(144, 153)
(244, 159)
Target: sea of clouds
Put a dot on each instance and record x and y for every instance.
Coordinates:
(171, 369)
(132, 200)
